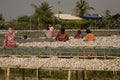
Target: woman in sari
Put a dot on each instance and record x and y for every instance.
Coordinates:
(9, 40)
(62, 36)
(48, 33)
(78, 35)
(89, 36)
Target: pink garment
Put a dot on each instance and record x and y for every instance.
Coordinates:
(48, 34)
(9, 40)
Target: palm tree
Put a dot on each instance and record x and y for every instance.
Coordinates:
(43, 13)
(82, 7)
(107, 14)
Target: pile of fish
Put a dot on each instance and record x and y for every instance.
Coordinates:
(103, 42)
(61, 63)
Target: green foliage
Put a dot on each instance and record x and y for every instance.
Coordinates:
(1, 21)
(43, 13)
(24, 19)
(1, 17)
(33, 24)
(107, 14)
(22, 23)
(71, 24)
(116, 16)
(93, 24)
(43, 16)
(82, 7)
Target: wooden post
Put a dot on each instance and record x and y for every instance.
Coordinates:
(69, 75)
(8, 74)
(84, 74)
(5, 73)
(58, 9)
(50, 52)
(77, 78)
(23, 74)
(37, 74)
(30, 24)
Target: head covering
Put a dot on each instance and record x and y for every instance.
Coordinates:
(88, 31)
(62, 30)
(51, 27)
(79, 31)
(78, 35)
(9, 30)
(48, 33)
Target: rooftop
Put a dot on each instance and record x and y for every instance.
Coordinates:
(67, 17)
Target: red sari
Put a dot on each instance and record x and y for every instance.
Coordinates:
(62, 37)
(9, 40)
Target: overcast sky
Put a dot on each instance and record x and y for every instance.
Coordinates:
(14, 8)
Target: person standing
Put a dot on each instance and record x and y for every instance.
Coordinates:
(9, 40)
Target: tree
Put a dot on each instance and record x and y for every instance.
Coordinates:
(43, 13)
(23, 19)
(21, 23)
(116, 16)
(1, 21)
(82, 7)
(107, 14)
(1, 17)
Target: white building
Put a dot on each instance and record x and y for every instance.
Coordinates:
(67, 17)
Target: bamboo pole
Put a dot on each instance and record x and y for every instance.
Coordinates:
(8, 74)
(69, 75)
(58, 9)
(112, 57)
(37, 74)
(84, 75)
(30, 24)
(5, 73)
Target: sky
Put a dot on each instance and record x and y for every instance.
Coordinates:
(12, 9)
